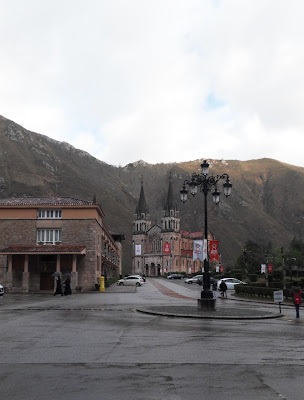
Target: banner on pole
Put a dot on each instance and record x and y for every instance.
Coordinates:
(263, 268)
(205, 250)
(213, 246)
(198, 250)
(138, 249)
(270, 268)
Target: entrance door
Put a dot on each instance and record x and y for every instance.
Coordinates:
(46, 281)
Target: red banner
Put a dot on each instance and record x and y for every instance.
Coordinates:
(269, 268)
(213, 250)
(166, 248)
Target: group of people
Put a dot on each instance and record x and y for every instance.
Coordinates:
(67, 287)
(223, 289)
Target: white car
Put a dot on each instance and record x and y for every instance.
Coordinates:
(140, 277)
(1, 290)
(130, 281)
(230, 282)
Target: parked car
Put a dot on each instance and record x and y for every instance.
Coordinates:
(130, 281)
(194, 279)
(199, 279)
(175, 276)
(1, 290)
(140, 277)
(230, 282)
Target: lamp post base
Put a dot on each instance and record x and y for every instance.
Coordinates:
(206, 302)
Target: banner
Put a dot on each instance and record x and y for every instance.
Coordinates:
(205, 250)
(138, 249)
(217, 269)
(213, 246)
(263, 268)
(270, 268)
(166, 248)
(198, 250)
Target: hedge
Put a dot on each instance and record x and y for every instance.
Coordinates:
(261, 291)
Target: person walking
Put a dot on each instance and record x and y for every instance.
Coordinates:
(214, 288)
(223, 289)
(297, 299)
(58, 287)
(67, 287)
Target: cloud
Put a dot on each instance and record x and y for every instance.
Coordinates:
(162, 81)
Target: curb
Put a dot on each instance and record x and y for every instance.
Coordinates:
(206, 316)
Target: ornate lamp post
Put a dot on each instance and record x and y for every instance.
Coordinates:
(205, 183)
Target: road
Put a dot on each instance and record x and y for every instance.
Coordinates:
(96, 346)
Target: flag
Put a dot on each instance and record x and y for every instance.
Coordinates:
(213, 246)
(263, 268)
(138, 249)
(198, 250)
(270, 268)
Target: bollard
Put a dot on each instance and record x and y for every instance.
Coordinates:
(102, 284)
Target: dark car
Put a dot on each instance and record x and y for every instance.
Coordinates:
(200, 281)
(175, 276)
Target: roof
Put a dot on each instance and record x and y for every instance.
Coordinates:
(192, 235)
(44, 201)
(45, 249)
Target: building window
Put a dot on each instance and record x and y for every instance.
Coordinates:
(49, 213)
(48, 236)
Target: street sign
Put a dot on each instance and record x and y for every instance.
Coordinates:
(278, 296)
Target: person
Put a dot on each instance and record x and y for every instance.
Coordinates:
(58, 287)
(214, 288)
(223, 289)
(67, 288)
(297, 300)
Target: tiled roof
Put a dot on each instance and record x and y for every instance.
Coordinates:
(45, 249)
(43, 201)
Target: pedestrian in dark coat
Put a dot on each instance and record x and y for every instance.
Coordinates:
(297, 299)
(223, 289)
(214, 288)
(58, 287)
(67, 289)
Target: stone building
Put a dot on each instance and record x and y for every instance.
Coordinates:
(164, 248)
(40, 236)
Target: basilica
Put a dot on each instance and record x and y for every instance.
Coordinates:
(162, 249)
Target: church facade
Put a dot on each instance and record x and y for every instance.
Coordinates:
(165, 248)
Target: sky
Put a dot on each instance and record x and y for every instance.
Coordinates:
(157, 80)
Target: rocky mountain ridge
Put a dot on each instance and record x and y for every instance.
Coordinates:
(266, 203)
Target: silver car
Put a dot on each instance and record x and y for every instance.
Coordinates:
(194, 279)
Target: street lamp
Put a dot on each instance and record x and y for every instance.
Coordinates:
(205, 183)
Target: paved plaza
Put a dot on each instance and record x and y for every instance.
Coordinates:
(98, 346)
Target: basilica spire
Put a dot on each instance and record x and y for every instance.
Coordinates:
(142, 221)
(142, 205)
(170, 219)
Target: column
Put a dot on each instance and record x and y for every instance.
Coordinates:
(25, 275)
(10, 273)
(74, 277)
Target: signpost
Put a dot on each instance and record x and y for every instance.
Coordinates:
(278, 297)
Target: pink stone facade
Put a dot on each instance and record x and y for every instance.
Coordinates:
(85, 249)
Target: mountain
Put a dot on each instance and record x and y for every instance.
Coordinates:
(266, 203)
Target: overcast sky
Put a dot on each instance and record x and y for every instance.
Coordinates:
(157, 80)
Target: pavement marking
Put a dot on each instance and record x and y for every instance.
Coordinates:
(168, 292)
